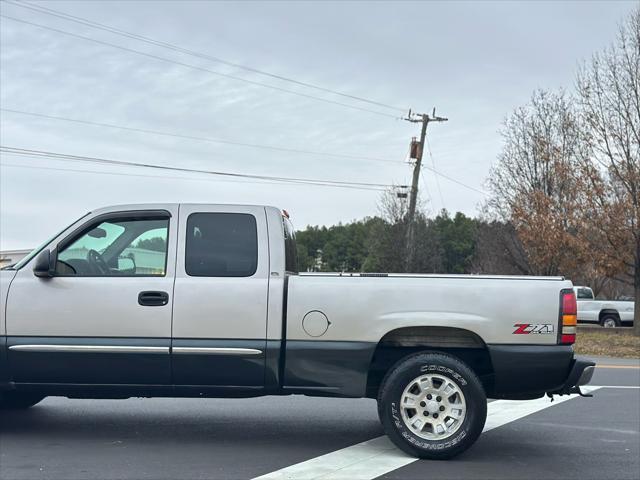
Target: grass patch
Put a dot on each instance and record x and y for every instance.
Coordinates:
(607, 341)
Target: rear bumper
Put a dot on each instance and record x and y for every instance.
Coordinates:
(581, 374)
(530, 371)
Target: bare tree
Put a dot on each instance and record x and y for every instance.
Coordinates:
(392, 207)
(536, 186)
(499, 250)
(609, 98)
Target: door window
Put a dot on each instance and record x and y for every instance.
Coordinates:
(585, 294)
(117, 247)
(221, 245)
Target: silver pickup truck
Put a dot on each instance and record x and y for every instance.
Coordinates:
(207, 301)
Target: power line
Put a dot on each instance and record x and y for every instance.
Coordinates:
(177, 48)
(195, 67)
(232, 142)
(161, 177)
(193, 137)
(451, 179)
(223, 75)
(104, 161)
(164, 177)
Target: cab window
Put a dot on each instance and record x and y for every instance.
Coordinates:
(221, 245)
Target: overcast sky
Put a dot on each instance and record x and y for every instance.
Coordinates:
(474, 61)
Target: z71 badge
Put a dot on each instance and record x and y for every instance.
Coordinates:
(527, 328)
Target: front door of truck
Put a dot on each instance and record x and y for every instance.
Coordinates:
(588, 308)
(220, 299)
(104, 317)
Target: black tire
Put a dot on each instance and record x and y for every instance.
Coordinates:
(406, 371)
(19, 400)
(610, 321)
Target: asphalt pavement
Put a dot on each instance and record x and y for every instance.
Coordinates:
(244, 438)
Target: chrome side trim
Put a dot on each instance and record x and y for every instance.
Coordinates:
(88, 349)
(215, 351)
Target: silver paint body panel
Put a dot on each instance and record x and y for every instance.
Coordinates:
(222, 307)
(91, 306)
(216, 314)
(589, 310)
(362, 308)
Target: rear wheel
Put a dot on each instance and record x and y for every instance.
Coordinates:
(18, 400)
(610, 321)
(432, 405)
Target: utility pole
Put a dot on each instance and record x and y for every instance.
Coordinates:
(424, 119)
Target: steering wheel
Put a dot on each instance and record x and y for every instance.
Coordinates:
(96, 261)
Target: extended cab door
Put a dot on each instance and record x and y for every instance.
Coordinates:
(220, 299)
(104, 317)
(588, 308)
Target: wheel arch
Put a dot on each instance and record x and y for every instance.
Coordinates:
(401, 342)
(605, 312)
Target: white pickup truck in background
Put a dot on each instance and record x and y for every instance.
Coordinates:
(608, 313)
(183, 300)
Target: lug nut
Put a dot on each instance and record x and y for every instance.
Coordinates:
(435, 415)
(442, 409)
(422, 404)
(426, 414)
(438, 399)
(429, 397)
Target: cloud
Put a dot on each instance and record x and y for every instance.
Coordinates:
(474, 63)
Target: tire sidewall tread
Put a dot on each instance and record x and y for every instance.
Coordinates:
(413, 366)
(615, 319)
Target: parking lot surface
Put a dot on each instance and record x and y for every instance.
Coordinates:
(282, 437)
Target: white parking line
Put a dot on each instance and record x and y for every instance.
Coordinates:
(376, 457)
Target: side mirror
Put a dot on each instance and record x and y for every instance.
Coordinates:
(126, 265)
(44, 266)
(97, 233)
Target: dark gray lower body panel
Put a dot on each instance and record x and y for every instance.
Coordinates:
(239, 363)
(88, 360)
(196, 365)
(5, 379)
(327, 368)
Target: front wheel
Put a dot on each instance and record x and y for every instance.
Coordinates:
(18, 400)
(432, 405)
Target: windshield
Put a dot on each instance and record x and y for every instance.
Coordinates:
(38, 249)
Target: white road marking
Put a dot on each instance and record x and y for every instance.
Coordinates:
(592, 429)
(615, 386)
(378, 456)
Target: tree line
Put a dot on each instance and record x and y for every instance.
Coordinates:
(445, 244)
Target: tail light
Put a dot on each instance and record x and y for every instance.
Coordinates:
(568, 317)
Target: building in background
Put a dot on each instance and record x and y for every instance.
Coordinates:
(9, 257)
